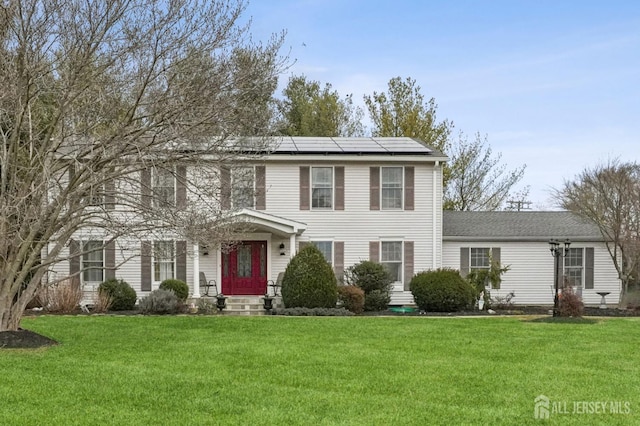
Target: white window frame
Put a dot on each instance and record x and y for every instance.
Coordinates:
(157, 261)
(160, 199)
(235, 189)
(331, 188)
(389, 187)
(331, 248)
(573, 268)
(476, 267)
(92, 266)
(382, 261)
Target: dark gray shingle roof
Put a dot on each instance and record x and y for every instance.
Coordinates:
(517, 226)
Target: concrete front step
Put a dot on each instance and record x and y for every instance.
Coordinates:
(245, 305)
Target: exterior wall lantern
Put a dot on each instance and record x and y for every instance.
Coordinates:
(282, 250)
(558, 252)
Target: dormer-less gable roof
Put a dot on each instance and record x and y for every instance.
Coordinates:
(517, 226)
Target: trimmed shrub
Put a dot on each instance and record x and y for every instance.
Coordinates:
(442, 290)
(369, 276)
(179, 287)
(309, 281)
(160, 301)
(377, 300)
(374, 279)
(352, 298)
(123, 297)
(569, 303)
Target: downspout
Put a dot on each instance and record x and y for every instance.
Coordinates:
(434, 207)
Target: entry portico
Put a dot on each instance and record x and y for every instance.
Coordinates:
(245, 268)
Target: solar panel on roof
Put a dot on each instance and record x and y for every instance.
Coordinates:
(364, 145)
(403, 145)
(351, 145)
(317, 145)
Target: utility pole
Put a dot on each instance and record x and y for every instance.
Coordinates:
(518, 205)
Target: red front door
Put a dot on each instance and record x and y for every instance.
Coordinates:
(244, 269)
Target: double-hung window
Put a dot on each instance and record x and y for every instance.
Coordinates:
(243, 187)
(573, 267)
(480, 258)
(391, 187)
(322, 187)
(164, 187)
(391, 258)
(92, 261)
(326, 247)
(163, 260)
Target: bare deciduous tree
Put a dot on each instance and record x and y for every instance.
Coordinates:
(609, 196)
(97, 92)
(478, 180)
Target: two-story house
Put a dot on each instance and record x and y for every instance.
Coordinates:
(354, 198)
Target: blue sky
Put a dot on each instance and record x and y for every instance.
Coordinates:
(554, 85)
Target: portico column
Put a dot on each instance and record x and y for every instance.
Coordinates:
(292, 245)
(196, 271)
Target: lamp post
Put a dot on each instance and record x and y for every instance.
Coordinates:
(558, 253)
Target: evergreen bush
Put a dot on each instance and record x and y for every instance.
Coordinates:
(160, 301)
(309, 281)
(442, 290)
(377, 300)
(374, 279)
(123, 297)
(179, 287)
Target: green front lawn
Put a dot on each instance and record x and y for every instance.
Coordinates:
(355, 370)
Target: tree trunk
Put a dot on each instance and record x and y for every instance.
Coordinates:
(624, 284)
(11, 314)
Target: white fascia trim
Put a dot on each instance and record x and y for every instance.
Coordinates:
(284, 225)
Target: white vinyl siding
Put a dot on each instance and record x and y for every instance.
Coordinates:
(357, 225)
(530, 274)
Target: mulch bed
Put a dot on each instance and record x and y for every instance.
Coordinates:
(24, 339)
